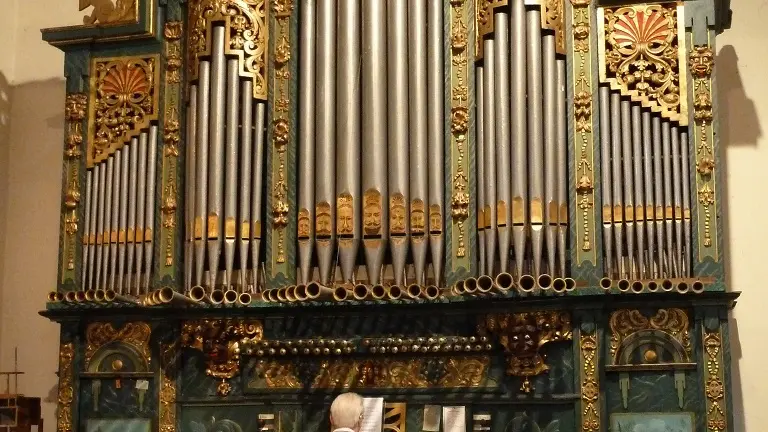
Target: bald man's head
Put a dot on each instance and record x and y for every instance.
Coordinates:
(347, 411)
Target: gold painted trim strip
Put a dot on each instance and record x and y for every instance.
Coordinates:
(590, 382)
(714, 387)
(66, 397)
(75, 112)
(167, 407)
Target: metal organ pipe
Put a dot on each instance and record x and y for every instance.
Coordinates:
(618, 199)
(244, 215)
(256, 184)
(417, 115)
(435, 121)
(535, 135)
(489, 144)
(189, 201)
(550, 145)
(685, 180)
(481, 180)
(306, 136)
(141, 197)
(606, 183)
(101, 174)
(677, 199)
(348, 208)
(107, 222)
(201, 169)
(501, 103)
(519, 122)
(649, 202)
(87, 229)
(562, 167)
(657, 194)
(216, 153)
(115, 213)
(639, 192)
(150, 206)
(668, 209)
(123, 223)
(325, 136)
(397, 122)
(231, 171)
(629, 186)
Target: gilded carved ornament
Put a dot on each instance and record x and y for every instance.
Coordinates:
(523, 335)
(673, 322)
(109, 11)
(220, 341)
(133, 334)
(66, 396)
(167, 411)
(590, 388)
(714, 387)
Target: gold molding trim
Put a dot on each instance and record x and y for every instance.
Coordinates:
(394, 416)
(630, 45)
(167, 408)
(590, 383)
(714, 387)
(625, 322)
(460, 121)
(124, 100)
(702, 64)
(246, 36)
(75, 110)
(64, 420)
(583, 144)
(523, 335)
(135, 334)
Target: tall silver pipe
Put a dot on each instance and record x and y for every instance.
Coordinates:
(637, 165)
(397, 122)
(133, 234)
(257, 184)
(550, 147)
(93, 225)
(489, 142)
(677, 200)
(191, 157)
(502, 105)
(244, 215)
(122, 235)
(618, 199)
(306, 137)
(535, 136)
(375, 163)
(519, 121)
(106, 234)
(606, 180)
(150, 208)
(650, 209)
(216, 153)
(417, 116)
(562, 167)
(668, 209)
(325, 137)
(230, 172)
(348, 137)
(629, 185)
(481, 180)
(87, 231)
(115, 213)
(201, 168)
(141, 197)
(101, 170)
(658, 196)
(435, 121)
(685, 179)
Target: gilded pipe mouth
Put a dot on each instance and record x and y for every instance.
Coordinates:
(230, 296)
(623, 285)
(667, 285)
(527, 283)
(315, 291)
(272, 296)
(504, 281)
(378, 292)
(606, 283)
(570, 284)
(545, 281)
(341, 293)
(458, 288)
(281, 295)
(558, 285)
(100, 295)
(90, 295)
(638, 287)
(484, 284)
(697, 287)
(111, 296)
(683, 288)
(301, 292)
(361, 292)
(197, 293)
(430, 292)
(394, 292)
(164, 295)
(470, 285)
(290, 294)
(653, 286)
(52, 296)
(413, 291)
(80, 296)
(244, 299)
(217, 297)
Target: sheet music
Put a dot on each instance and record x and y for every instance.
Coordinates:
(432, 414)
(373, 413)
(454, 419)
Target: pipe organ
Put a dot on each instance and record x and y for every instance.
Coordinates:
(308, 196)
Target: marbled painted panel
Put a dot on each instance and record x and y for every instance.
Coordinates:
(105, 398)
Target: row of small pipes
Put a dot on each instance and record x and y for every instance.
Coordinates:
(360, 292)
(682, 286)
(485, 285)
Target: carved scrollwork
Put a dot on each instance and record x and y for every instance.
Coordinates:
(133, 334)
(220, 341)
(523, 335)
(673, 322)
(66, 389)
(246, 36)
(109, 11)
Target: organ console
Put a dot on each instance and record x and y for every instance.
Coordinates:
(500, 176)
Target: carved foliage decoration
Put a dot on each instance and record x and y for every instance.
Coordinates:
(246, 36)
(643, 56)
(590, 388)
(75, 113)
(110, 11)
(523, 335)
(167, 412)
(66, 388)
(220, 341)
(672, 322)
(714, 386)
(553, 18)
(394, 417)
(134, 335)
(123, 101)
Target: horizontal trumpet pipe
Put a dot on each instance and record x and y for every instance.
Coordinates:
(413, 291)
(504, 281)
(100, 295)
(667, 285)
(558, 285)
(637, 287)
(361, 292)
(90, 295)
(470, 285)
(80, 296)
(544, 281)
(290, 294)
(281, 295)
(270, 295)
(458, 288)
(430, 292)
(697, 287)
(112, 296)
(606, 283)
(315, 291)
(301, 292)
(230, 296)
(394, 292)
(527, 283)
(378, 292)
(624, 285)
(653, 286)
(216, 297)
(484, 284)
(197, 293)
(55, 297)
(244, 299)
(70, 297)
(168, 295)
(570, 284)
(683, 287)
(341, 293)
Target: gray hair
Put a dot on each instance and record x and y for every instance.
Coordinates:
(347, 411)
